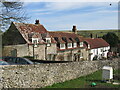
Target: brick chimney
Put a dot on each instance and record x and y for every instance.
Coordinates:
(74, 29)
(37, 22)
(91, 35)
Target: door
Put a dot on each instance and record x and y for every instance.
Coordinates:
(14, 53)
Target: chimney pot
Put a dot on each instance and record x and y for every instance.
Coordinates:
(74, 29)
(37, 22)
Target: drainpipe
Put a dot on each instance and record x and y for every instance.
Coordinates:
(45, 51)
(33, 51)
(72, 55)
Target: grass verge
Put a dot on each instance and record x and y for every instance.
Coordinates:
(85, 82)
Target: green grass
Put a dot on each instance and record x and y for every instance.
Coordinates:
(85, 81)
(100, 33)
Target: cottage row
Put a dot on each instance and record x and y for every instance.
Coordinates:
(23, 39)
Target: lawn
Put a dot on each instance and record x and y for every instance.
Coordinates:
(85, 82)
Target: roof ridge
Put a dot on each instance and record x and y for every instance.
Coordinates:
(27, 23)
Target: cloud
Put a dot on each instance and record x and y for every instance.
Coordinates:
(96, 20)
(88, 16)
(54, 7)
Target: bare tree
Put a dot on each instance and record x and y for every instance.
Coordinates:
(11, 11)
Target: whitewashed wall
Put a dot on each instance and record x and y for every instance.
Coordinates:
(97, 51)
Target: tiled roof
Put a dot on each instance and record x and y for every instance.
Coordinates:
(66, 35)
(96, 42)
(32, 30)
(37, 28)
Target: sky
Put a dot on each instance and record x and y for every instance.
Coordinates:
(59, 16)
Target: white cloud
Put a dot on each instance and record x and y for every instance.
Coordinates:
(62, 6)
(83, 21)
(101, 16)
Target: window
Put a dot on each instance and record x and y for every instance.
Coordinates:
(62, 46)
(34, 40)
(69, 45)
(101, 50)
(56, 38)
(64, 39)
(74, 44)
(81, 44)
(97, 51)
(35, 43)
(48, 41)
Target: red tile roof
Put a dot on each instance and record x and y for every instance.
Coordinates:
(67, 35)
(35, 30)
(96, 42)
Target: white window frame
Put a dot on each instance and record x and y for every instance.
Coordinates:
(81, 44)
(35, 41)
(74, 45)
(48, 41)
(62, 47)
(69, 45)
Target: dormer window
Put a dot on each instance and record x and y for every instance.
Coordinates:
(48, 41)
(35, 41)
(69, 45)
(74, 45)
(62, 46)
(81, 44)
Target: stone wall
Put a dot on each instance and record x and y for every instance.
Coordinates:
(73, 55)
(22, 50)
(52, 49)
(36, 76)
(39, 51)
(12, 36)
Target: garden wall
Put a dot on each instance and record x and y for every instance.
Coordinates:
(36, 76)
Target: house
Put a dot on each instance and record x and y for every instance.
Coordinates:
(28, 40)
(97, 47)
(70, 46)
(23, 39)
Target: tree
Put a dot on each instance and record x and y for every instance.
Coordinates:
(0, 31)
(11, 11)
(111, 38)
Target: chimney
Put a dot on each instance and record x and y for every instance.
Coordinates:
(37, 22)
(74, 29)
(91, 35)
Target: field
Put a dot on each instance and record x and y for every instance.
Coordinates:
(99, 33)
(85, 81)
